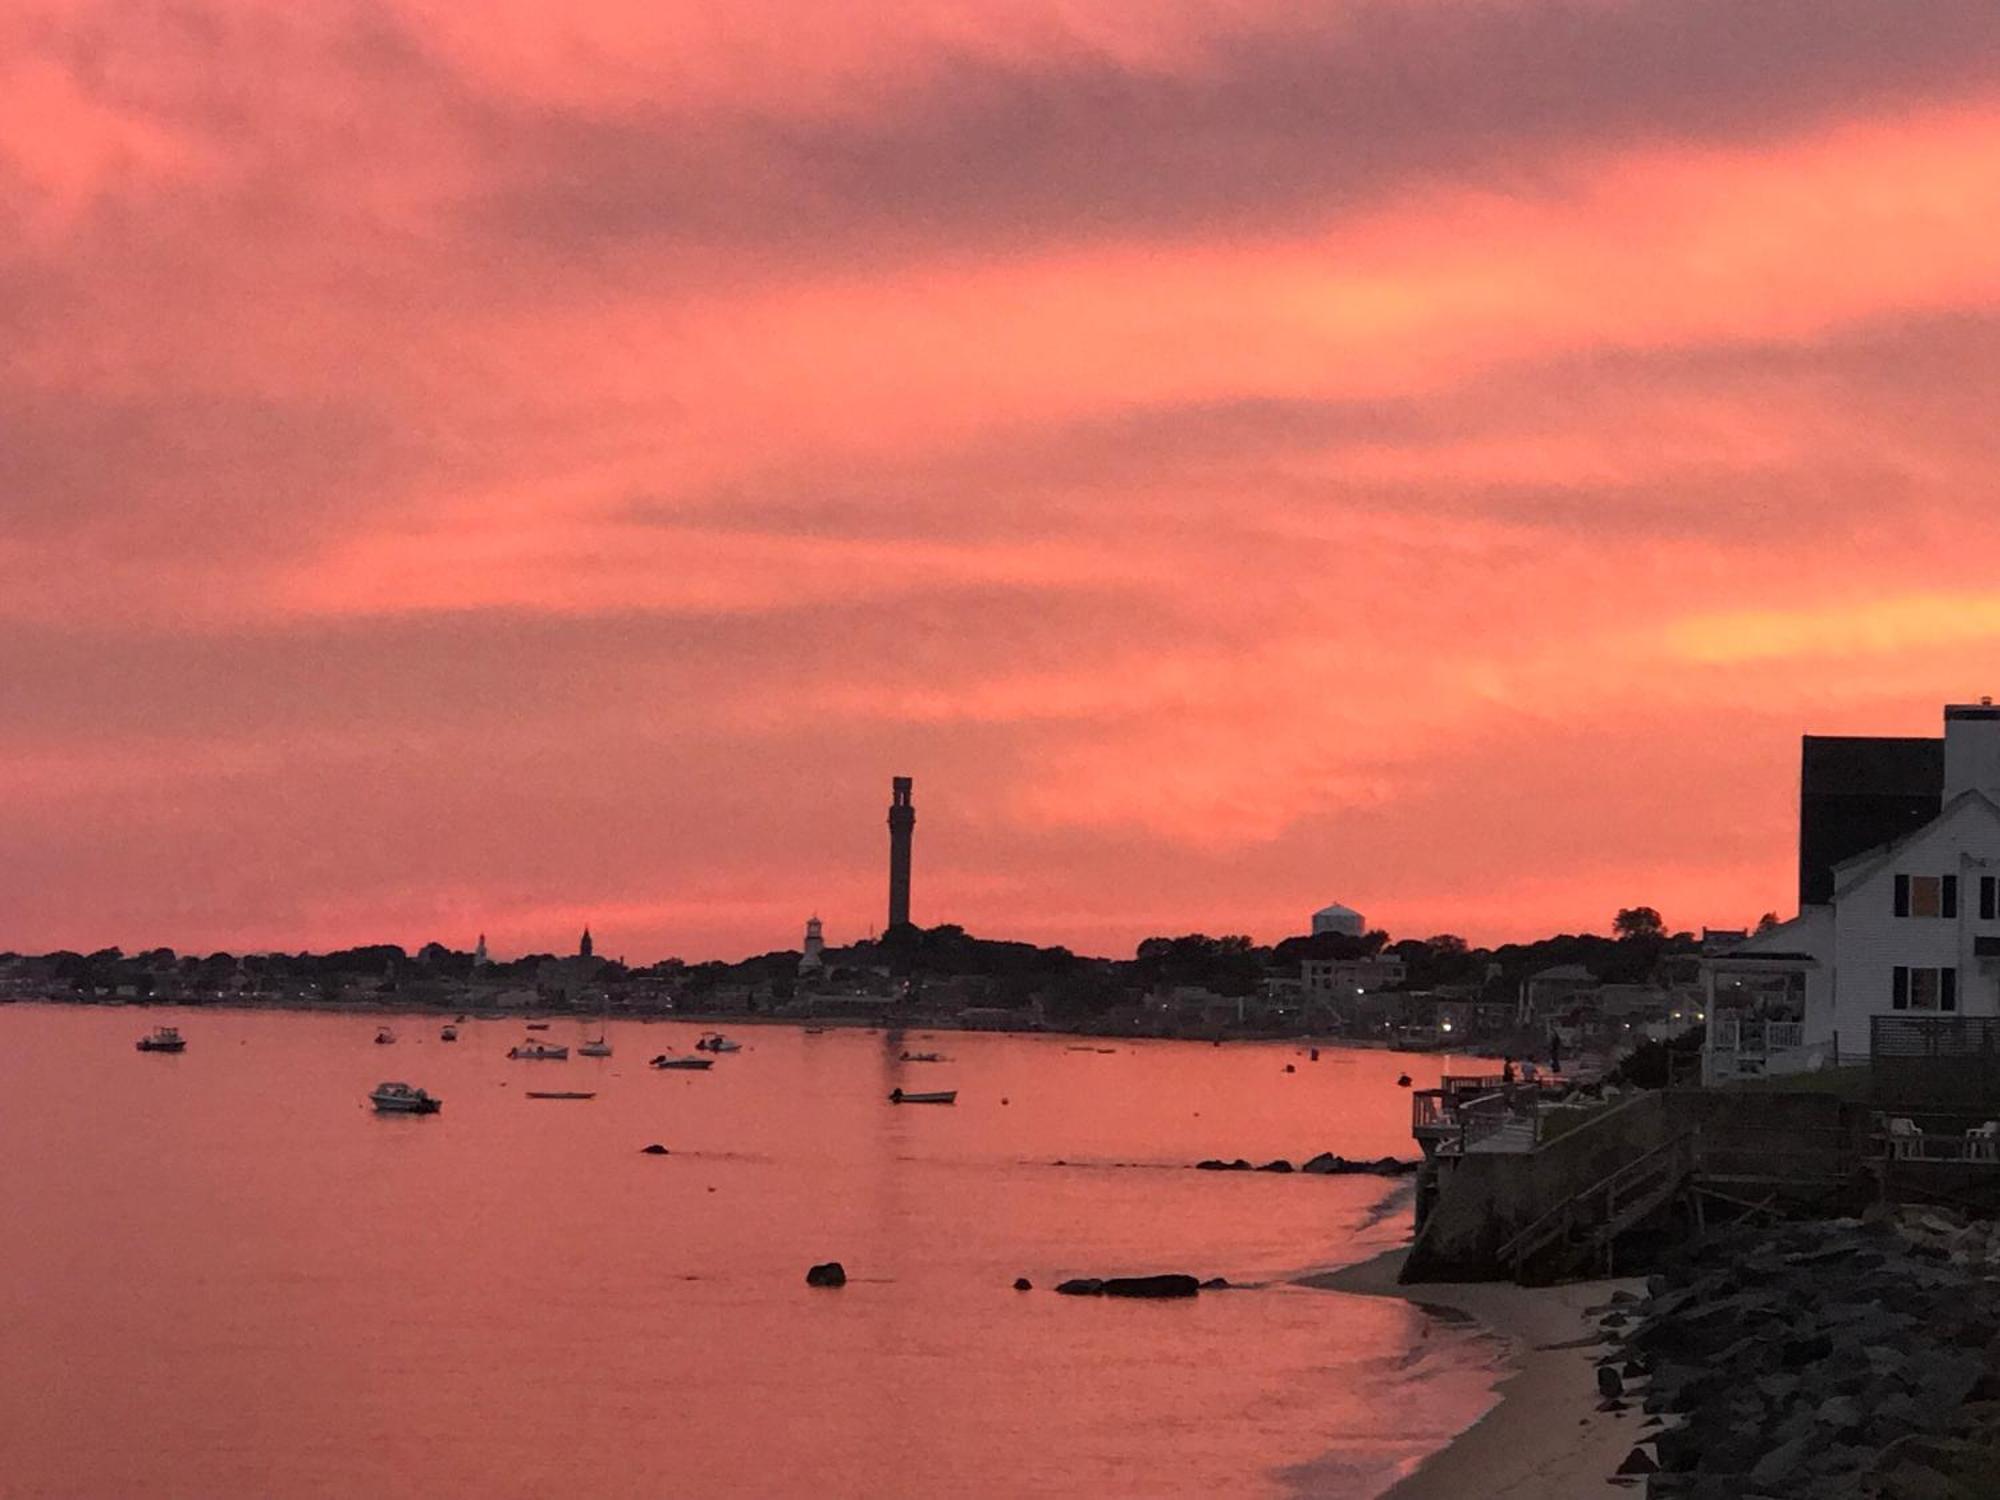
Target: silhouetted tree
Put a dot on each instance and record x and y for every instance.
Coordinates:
(1638, 922)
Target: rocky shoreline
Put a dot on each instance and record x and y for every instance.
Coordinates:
(1836, 1359)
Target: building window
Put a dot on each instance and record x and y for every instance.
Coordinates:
(1986, 898)
(1923, 989)
(1926, 896)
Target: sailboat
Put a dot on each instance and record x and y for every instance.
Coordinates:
(596, 1046)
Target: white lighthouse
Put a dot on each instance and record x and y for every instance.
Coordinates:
(812, 961)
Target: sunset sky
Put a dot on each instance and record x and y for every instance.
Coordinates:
(491, 467)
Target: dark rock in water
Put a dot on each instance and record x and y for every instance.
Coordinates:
(1280, 1165)
(1290, 1069)
(1325, 1164)
(1022, 1284)
(1151, 1286)
(1403, 1081)
(1080, 1286)
(656, 1149)
(1636, 1462)
(1608, 1383)
(830, 1274)
(1215, 1284)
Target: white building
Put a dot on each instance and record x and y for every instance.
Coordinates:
(1344, 920)
(1345, 978)
(1913, 929)
(813, 959)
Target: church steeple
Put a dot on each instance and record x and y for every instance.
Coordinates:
(586, 947)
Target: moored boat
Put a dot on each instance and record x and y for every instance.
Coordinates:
(384, 1036)
(936, 1096)
(923, 1057)
(449, 1034)
(664, 1062)
(715, 1041)
(538, 1052)
(596, 1047)
(401, 1099)
(564, 1094)
(163, 1039)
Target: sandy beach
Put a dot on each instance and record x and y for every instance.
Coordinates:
(1545, 1439)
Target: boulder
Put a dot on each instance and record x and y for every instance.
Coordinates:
(1608, 1383)
(1324, 1165)
(1280, 1165)
(656, 1149)
(1151, 1286)
(1636, 1462)
(832, 1273)
(1022, 1284)
(1080, 1286)
(1215, 1284)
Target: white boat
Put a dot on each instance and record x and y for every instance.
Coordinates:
(938, 1096)
(715, 1041)
(401, 1099)
(538, 1052)
(163, 1039)
(384, 1036)
(595, 1048)
(663, 1062)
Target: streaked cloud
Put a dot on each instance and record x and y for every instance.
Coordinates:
(495, 468)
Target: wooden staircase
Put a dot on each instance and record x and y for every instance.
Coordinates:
(1579, 1235)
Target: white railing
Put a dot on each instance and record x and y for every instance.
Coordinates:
(1732, 1034)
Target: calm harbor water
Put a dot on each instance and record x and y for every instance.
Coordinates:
(226, 1277)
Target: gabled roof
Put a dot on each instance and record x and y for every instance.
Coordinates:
(1564, 971)
(1851, 872)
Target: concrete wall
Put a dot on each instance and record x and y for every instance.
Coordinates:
(1483, 1200)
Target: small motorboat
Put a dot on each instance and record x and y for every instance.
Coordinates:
(597, 1047)
(538, 1052)
(939, 1096)
(384, 1036)
(449, 1034)
(533, 1094)
(815, 1031)
(923, 1057)
(538, 1026)
(163, 1039)
(663, 1062)
(401, 1099)
(715, 1041)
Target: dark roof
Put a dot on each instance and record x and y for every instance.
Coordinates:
(1871, 766)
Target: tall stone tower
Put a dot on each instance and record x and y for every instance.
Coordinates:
(902, 824)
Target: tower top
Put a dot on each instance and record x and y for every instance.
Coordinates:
(899, 791)
(585, 948)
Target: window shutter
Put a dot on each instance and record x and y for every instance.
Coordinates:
(1947, 989)
(1902, 895)
(1948, 897)
(1986, 898)
(1899, 987)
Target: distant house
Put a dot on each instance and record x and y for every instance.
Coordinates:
(1552, 991)
(1339, 979)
